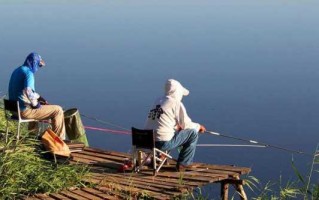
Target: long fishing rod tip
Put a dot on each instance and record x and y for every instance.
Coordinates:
(211, 132)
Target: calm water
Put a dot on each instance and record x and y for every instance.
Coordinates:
(252, 68)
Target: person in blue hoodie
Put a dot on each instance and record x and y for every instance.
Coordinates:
(32, 105)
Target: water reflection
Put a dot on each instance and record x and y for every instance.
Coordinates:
(251, 67)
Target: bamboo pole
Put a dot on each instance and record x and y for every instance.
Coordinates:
(224, 190)
(240, 190)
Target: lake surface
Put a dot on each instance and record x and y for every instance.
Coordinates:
(251, 67)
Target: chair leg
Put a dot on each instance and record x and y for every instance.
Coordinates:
(40, 129)
(167, 160)
(135, 164)
(161, 164)
(154, 162)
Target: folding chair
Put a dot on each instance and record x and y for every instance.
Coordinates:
(144, 140)
(12, 113)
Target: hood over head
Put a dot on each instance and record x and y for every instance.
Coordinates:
(174, 89)
(34, 62)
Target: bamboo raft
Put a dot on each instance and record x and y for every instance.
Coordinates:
(110, 183)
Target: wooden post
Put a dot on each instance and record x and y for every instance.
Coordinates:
(224, 190)
(240, 189)
(140, 159)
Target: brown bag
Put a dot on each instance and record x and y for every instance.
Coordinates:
(54, 144)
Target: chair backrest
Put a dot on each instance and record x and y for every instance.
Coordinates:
(143, 138)
(11, 107)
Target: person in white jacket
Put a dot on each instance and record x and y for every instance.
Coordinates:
(172, 126)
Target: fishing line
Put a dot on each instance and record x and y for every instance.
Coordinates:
(105, 122)
(107, 130)
(259, 143)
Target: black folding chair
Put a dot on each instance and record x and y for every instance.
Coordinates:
(144, 141)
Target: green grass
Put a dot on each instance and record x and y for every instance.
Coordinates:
(24, 171)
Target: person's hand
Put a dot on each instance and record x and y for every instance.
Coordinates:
(178, 128)
(202, 129)
(42, 101)
(36, 106)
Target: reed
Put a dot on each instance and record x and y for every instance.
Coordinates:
(24, 171)
(300, 188)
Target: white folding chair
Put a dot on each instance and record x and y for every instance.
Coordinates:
(144, 140)
(12, 113)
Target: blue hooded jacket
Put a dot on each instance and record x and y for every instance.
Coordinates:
(33, 61)
(22, 80)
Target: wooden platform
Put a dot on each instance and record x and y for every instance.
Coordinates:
(108, 182)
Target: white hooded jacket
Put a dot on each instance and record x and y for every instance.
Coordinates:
(169, 112)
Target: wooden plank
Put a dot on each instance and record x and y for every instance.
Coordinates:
(32, 198)
(72, 195)
(144, 187)
(75, 145)
(87, 160)
(207, 175)
(147, 185)
(149, 176)
(96, 159)
(136, 193)
(203, 171)
(59, 196)
(190, 175)
(140, 185)
(167, 184)
(100, 193)
(173, 181)
(158, 183)
(186, 176)
(43, 197)
(218, 171)
(116, 192)
(120, 154)
(82, 160)
(120, 179)
(129, 189)
(106, 156)
(241, 170)
(233, 181)
(86, 194)
(225, 168)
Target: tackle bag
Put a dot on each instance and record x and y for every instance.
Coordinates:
(55, 144)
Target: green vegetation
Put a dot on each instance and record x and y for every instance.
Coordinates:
(301, 188)
(24, 171)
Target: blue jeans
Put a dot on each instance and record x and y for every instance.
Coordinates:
(187, 139)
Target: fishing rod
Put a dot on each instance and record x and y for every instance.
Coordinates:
(257, 143)
(253, 142)
(230, 145)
